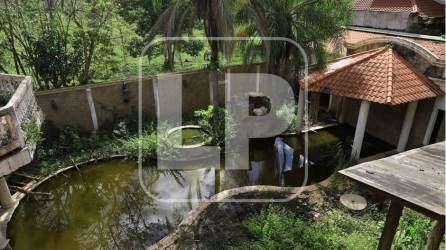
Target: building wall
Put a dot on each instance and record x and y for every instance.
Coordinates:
(385, 122)
(383, 20)
(120, 98)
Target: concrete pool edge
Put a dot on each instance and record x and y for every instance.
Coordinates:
(170, 240)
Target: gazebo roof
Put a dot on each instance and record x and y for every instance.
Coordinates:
(379, 75)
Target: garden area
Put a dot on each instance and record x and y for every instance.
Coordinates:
(316, 220)
(92, 179)
(78, 200)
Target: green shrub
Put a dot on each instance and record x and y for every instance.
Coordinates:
(350, 232)
(130, 146)
(31, 132)
(278, 228)
(288, 112)
(69, 140)
(214, 121)
(192, 47)
(413, 231)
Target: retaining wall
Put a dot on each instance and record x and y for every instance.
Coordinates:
(74, 106)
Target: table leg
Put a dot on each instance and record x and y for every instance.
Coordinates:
(392, 221)
(433, 243)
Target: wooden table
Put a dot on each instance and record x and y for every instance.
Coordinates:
(414, 179)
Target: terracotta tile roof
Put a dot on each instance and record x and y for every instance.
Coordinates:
(436, 47)
(428, 8)
(380, 76)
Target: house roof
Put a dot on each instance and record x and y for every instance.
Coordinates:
(436, 47)
(379, 75)
(428, 8)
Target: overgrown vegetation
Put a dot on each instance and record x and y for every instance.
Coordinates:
(277, 227)
(326, 226)
(218, 123)
(69, 42)
(71, 145)
(428, 26)
(288, 112)
(32, 134)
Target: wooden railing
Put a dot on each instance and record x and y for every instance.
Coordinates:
(20, 108)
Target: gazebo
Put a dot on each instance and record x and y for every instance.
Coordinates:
(379, 76)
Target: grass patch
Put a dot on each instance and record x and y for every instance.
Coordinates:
(277, 227)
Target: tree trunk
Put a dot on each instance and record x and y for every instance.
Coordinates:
(213, 84)
(3, 69)
(212, 31)
(168, 56)
(86, 73)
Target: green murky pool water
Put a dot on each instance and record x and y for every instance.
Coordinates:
(189, 136)
(104, 207)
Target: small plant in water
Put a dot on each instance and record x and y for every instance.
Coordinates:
(218, 123)
(288, 113)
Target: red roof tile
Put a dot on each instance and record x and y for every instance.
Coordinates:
(380, 76)
(436, 47)
(428, 8)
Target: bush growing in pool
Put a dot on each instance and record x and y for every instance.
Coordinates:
(217, 122)
(288, 112)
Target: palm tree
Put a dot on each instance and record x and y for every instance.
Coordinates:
(216, 18)
(310, 23)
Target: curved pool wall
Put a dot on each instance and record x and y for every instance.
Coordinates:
(189, 136)
(199, 212)
(103, 205)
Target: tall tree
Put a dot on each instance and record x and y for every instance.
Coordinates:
(311, 23)
(145, 14)
(93, 20)
(216, 16)
(63, 42)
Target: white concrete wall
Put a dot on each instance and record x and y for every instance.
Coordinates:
(382, 20)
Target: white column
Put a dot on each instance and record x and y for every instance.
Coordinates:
(431, 124)
(300, 110)
(360, 130)
(6, 200)
(94, 117)
(407, 126)
(330, 103)
(342, 109)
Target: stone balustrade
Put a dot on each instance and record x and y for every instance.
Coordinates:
(17, 107)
